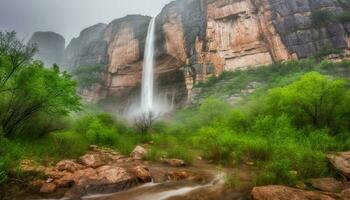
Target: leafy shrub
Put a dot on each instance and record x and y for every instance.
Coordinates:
(10, 155)
(314, 100)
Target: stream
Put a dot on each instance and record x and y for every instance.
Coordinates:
(209, 186)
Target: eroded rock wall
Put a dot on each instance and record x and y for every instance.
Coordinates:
(196, 39)
(292, 19)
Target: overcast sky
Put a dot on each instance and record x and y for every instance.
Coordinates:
(68, 17)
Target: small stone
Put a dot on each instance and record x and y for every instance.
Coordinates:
(175, 162)
(93, 147)
(49, 180)
(138, 153)
(176, 176)
(68, 165)
(92, 160)
(48, 188)
(142, 173)
(326, 184)
(37, 184)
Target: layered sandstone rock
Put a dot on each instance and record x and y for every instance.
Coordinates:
(277, 192)
(50, 47)
(196, 39)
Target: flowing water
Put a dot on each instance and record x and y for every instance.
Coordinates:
(207, 183)
(162, 191)
(151, 101)
(147, 90)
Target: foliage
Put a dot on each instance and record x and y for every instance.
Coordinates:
(87, 76)
(29, 92)
(314, 100)
(10, 155)
(269, 128)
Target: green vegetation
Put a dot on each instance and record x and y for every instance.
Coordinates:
(294, 116)
(282, 119)
(31, 95)
(88, 76)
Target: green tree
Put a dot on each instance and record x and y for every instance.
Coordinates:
(29, 91)
(314, 99)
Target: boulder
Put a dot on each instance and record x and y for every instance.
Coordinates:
(142, 173)
(341, 162)
(326, 184)
(92, 160)
(48, 188)
(345, 194)
(176, 176)
(105, 179)
(277, 192)
(138, 153)
(53, 173)
(68, 165)
(66, 181)
(175, 162)
(36, 184)
(113, 174)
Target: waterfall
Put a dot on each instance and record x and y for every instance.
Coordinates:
(147, 90)
(152, 103)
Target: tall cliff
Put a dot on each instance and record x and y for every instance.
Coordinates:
(196, 39)
(50, 47)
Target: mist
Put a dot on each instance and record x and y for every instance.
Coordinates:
(68, 17)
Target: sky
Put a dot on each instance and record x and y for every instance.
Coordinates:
(68, 17)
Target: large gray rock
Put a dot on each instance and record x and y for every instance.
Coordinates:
(89, 49)
(50, 45)
(292, 19)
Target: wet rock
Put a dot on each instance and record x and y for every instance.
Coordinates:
(92, 160)
(345, 194)
(85, 174)
(68, 165)
(326, 184)
(142, 173)
(341, 162)
(276, 192)
(105, 179)
(138, 153)
(177, 176)
(66, 181)
(113, 174)
(175, 162)
(53, 173)
(37, 184)
(48, 188)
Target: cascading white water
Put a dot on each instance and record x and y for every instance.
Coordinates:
(151, 102)
(147, 90)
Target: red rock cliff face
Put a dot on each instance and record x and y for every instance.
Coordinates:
(201, 38)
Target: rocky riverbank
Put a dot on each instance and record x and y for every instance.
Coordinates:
(102, 172)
